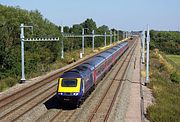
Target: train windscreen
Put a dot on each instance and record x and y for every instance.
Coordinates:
(69, 83)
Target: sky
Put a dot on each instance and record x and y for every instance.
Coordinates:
(120, 14)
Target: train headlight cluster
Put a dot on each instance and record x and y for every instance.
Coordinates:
(75, 94)
(60, 93)
(68, 94)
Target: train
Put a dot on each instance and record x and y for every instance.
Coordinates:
(75, 85)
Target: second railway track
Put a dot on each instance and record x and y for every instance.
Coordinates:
(8, 99)
(104, 106)
(14, 113)
(67, 115)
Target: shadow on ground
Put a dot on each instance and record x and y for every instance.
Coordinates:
(54, 103)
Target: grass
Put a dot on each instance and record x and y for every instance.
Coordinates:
(42, 69)
(174, 58)
(7, 82)
(166, 107)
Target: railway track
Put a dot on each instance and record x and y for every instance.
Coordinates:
(104, 106)
(19, 111)
(63, 115)
(11, 110)
(66, 115)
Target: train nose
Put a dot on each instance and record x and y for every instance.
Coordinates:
(69, 86)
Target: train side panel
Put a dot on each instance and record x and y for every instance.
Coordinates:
(88, 74)
(100, 70)
(88, 83)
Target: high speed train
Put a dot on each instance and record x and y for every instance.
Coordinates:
(76, 84)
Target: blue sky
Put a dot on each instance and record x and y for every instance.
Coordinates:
(119, 14)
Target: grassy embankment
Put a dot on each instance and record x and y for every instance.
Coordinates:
(165, 85)
(175, 59)
(43, 69)
(69, 57)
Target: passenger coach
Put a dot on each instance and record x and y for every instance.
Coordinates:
(76, 84)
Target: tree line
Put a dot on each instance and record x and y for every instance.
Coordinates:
(166, 41)
(37, 54)
(89, 25)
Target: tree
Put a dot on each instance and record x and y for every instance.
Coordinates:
(102, 29)
(90, 24)
(66, 29)
(168, 42)
(76, 29)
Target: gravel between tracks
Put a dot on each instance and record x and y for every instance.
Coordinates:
(134, 104)
(121, 103)
(119, 109)
(138, 100)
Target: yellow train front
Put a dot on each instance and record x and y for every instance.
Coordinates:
(74, 84)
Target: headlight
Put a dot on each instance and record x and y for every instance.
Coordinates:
(75, 94)
(60, 93)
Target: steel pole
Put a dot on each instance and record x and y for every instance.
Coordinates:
(83, 41)
(141, 38)
(147, 57)
(62, 44)
(114, 36)
(143, 46)
(22, 53)
(105, 39)
(110, 37)
(123, 35)
(62, 49)
(93, 40)
(117, 35)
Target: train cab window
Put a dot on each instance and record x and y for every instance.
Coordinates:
(69, 83)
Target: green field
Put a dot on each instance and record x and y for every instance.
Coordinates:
(174, 58)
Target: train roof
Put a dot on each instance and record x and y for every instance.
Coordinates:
(71, 74)
(111, 50)
(124, 43)
(105, 54)
(83, 70)
(119, 45)
(115, 47)
(95, 61)
(88, 66)
(77, 72)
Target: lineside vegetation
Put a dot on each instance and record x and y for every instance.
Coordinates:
(40, 57)
(166, 90)
(164, 77)
(175, 59)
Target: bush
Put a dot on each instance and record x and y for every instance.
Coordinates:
(3, 86)
(175, 78)
(7, 82)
